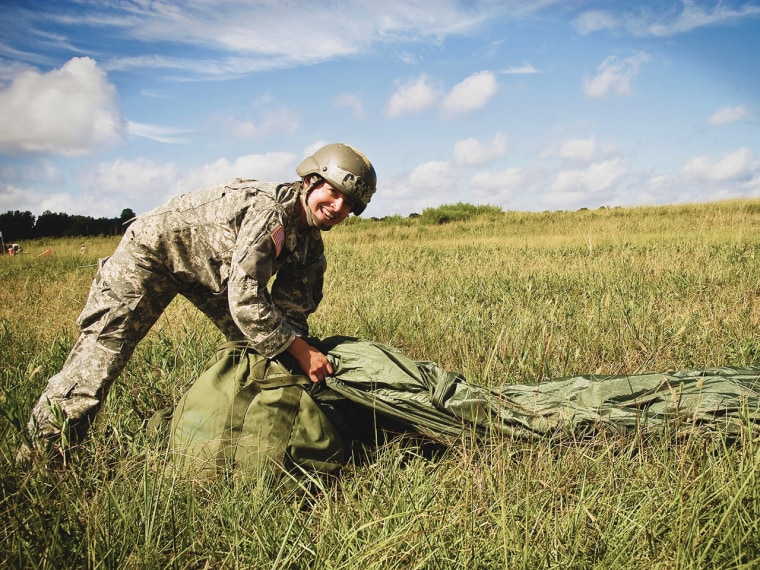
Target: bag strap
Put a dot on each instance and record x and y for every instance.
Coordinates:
(233, 427)
(276, 441)
(263, 370)
(283, 422)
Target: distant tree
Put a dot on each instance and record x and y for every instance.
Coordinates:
(127, 214)
(78, 226)
(16, 225)
(104, 227)
(126, 217)
(52, 225)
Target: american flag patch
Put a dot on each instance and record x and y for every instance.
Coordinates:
(278, 237)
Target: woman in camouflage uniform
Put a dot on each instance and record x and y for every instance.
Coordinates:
(218, 247)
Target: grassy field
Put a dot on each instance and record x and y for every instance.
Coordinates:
(500, 297)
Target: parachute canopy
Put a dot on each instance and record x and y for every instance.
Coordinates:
(249, 412)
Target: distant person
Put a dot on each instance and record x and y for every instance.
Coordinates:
(218, 247)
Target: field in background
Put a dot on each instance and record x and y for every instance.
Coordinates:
(499, 297)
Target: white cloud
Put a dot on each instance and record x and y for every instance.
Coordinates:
(738, 165)
(156, 94)
(432, 175)
(246, 36)
(142, 184)
(412, 97)
(729, 115)
(272, 166)
(694, 16)
(496, 187)
(598, 177)
(37, 202)
(470, 94)
(524, 69)
(10, 70)
(351, 102)
(273, 121)
(594, 21)
(168, 135)
(579, 149)
(663, 23)
(471, 152)
(38, 199)
(408, 58)
(14, 197)
(31, 117)
(139, 184)
(615, 75)
(428, 185)
(420, 94)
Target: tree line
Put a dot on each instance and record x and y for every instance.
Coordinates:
(16, 225)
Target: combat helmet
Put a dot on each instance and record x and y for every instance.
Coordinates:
(346, 169)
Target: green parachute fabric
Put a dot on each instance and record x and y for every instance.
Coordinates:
(249, 412)
(429, 399)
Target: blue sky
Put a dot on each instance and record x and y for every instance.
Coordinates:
(527, 105)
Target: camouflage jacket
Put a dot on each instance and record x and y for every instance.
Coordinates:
(232, 239)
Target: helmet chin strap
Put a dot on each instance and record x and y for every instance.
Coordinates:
(311, 219)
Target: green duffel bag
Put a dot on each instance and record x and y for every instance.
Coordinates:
(248, 413)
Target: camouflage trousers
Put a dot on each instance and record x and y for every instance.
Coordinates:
(128, 295)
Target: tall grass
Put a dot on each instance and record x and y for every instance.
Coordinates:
(509, 298)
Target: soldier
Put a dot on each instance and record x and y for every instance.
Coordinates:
(218, 247)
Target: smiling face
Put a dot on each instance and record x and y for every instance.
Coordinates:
(329, 206)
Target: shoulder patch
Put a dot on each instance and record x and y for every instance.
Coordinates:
(278, 237)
